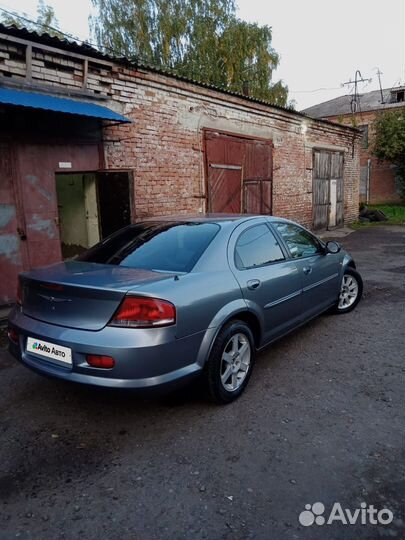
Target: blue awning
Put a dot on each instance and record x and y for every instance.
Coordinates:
(57, 104)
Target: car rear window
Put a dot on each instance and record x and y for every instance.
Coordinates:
(170, 247)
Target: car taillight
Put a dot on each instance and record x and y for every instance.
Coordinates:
(100, 361)
(12, 335)
(142, 312)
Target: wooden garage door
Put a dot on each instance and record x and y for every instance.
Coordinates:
(225, 185)
(327, 189)
(239, 174)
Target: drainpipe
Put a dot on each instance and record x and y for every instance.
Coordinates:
(368, 181)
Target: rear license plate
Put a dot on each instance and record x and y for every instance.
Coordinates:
(49, 350)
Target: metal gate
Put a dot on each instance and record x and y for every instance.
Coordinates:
(239, 174)
(327, 189)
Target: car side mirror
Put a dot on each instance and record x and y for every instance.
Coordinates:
(332, 247)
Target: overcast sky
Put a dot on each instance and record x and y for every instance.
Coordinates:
(321, 42)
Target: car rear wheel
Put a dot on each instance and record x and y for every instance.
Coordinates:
(351, 291)
(230, 364)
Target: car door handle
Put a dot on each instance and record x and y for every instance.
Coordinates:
(253, 284)
(307, 269)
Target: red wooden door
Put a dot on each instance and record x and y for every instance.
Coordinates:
(239, 173)
(225, 157)
(257, 183)
(225, 183)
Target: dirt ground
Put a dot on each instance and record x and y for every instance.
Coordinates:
(321, 421)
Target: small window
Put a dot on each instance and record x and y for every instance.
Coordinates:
(300, 242)
(257, 246)
(364, 137)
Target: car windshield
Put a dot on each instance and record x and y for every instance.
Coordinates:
(163, 246)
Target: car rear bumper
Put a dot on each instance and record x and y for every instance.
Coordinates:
(145, 359)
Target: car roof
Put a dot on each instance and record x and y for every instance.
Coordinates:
(208, 217)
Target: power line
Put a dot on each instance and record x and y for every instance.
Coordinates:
(315, 90)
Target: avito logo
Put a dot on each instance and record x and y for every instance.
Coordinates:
(366, 514)
(38, 347)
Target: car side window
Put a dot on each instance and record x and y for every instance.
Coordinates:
(257, 246)
(300, 242)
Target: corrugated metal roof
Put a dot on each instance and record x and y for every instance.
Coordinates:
(370, 101)
(85, 49)
(53, 41)
(51, 103)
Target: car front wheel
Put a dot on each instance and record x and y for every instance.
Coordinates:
(351, 291)
(230, 363)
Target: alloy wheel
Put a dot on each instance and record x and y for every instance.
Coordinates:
(235, 362)
(348, 292)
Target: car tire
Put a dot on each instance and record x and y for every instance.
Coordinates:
(230, 363)
(351, 291)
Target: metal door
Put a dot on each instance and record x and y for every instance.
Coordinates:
(319, 271)
(320, 283)
(272, 291)
(11, 254)
(113, 201)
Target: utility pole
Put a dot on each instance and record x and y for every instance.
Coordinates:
(355, 102)
(379, 80)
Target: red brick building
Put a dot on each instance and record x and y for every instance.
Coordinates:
(377, 184)
(89, 143)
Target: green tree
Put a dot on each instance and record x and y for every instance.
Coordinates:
(46, 21)
(389, 142)
(200, 39)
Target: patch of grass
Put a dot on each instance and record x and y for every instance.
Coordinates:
(394, 212)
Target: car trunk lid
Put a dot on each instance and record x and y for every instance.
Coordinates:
(80, 294)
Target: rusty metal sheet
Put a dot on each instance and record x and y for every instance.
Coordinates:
(11, 257)
(37, 164)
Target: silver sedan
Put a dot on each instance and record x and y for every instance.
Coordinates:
(161, 302)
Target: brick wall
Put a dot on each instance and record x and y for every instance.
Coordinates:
(164, 146)
(383, 187)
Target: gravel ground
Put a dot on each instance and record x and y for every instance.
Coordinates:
(322, 421)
